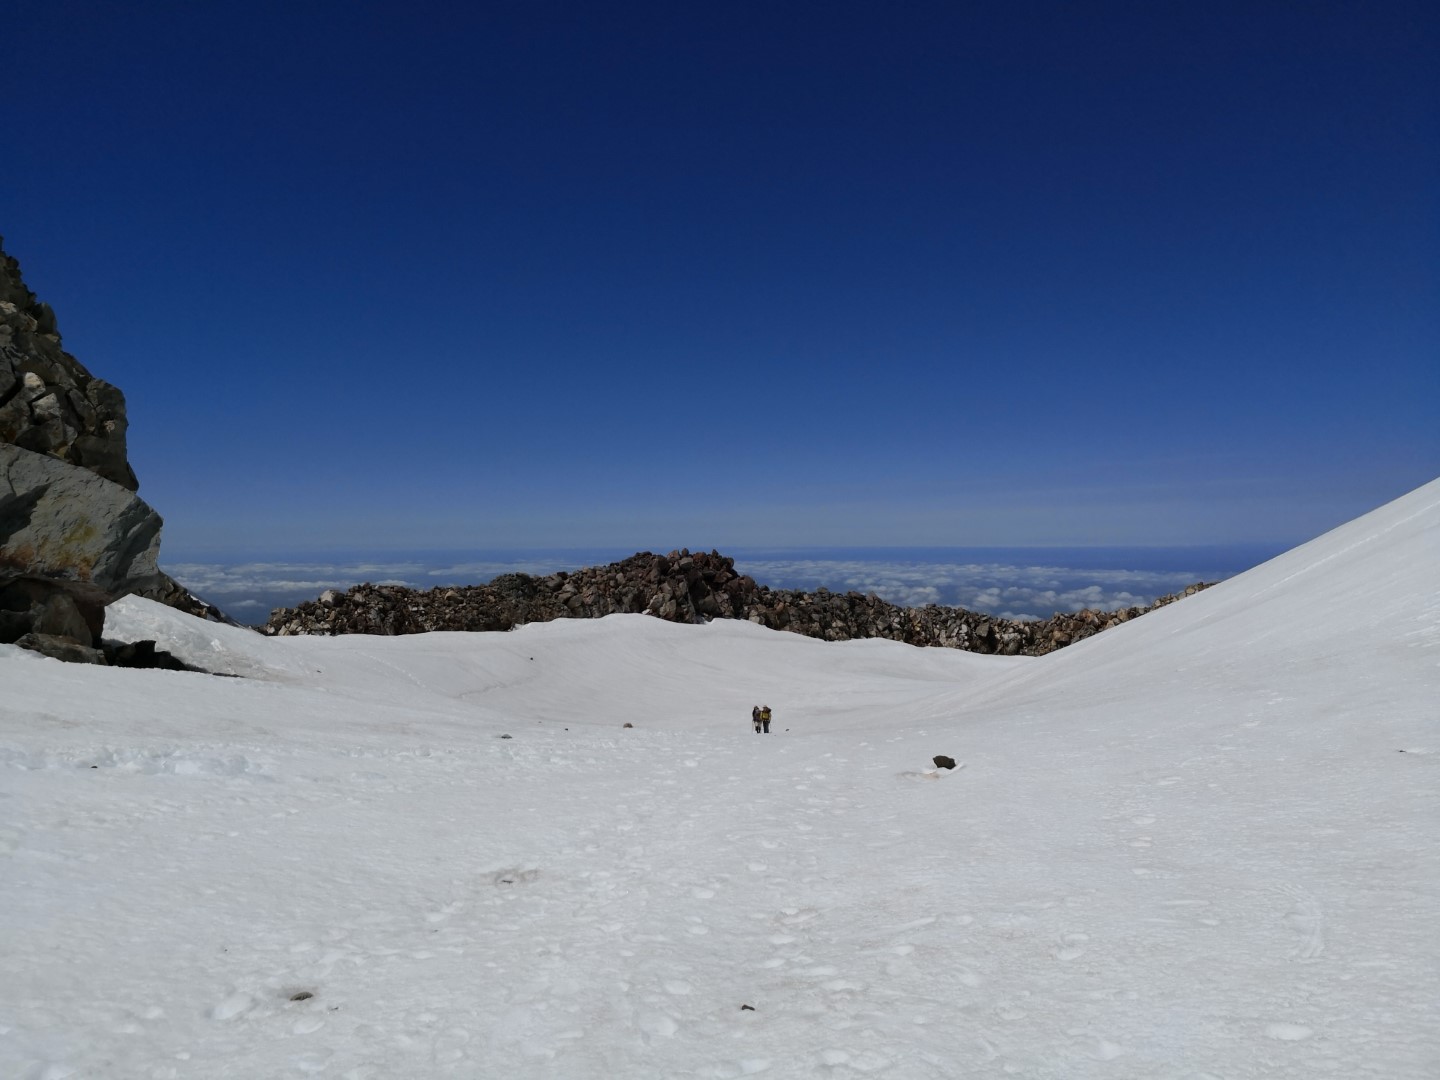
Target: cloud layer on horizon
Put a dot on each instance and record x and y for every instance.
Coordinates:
(250, 590)
(1008, 590)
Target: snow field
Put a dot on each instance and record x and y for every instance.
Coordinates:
(1197, 846)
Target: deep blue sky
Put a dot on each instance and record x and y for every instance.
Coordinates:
(652, 275)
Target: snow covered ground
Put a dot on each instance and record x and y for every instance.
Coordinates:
(1201, 846)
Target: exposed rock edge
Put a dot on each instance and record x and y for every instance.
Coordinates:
(73, 533)
(685, 587)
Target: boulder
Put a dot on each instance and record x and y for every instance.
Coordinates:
(71, 610)
(62, 522)
(60, 616)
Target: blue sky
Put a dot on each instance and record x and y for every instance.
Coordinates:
(659, 275)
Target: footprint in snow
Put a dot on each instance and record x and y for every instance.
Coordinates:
(232, 1006)
(1071, 947)
(659, 1024)
(797, 916)
(1307, 919)
(1288, 1032)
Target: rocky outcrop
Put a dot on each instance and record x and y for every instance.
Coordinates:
(73, 533)
(683, 587)
(49, 403)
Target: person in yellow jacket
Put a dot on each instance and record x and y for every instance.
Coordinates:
(764, 718)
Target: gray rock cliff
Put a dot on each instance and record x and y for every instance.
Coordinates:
(73, 533)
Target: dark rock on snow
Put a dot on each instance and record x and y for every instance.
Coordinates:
(59, 648)
(682, 586)
(142, 654)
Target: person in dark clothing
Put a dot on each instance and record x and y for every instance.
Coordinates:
(755, 718)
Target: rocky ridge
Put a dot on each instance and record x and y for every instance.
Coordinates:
(73, 533)
(684, 587)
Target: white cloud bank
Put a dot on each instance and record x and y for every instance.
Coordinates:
(1010, 590)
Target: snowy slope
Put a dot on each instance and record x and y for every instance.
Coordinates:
(1199, 845)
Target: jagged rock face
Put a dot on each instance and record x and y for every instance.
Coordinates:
(683, 587)
(49, 403)
(73, 533)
